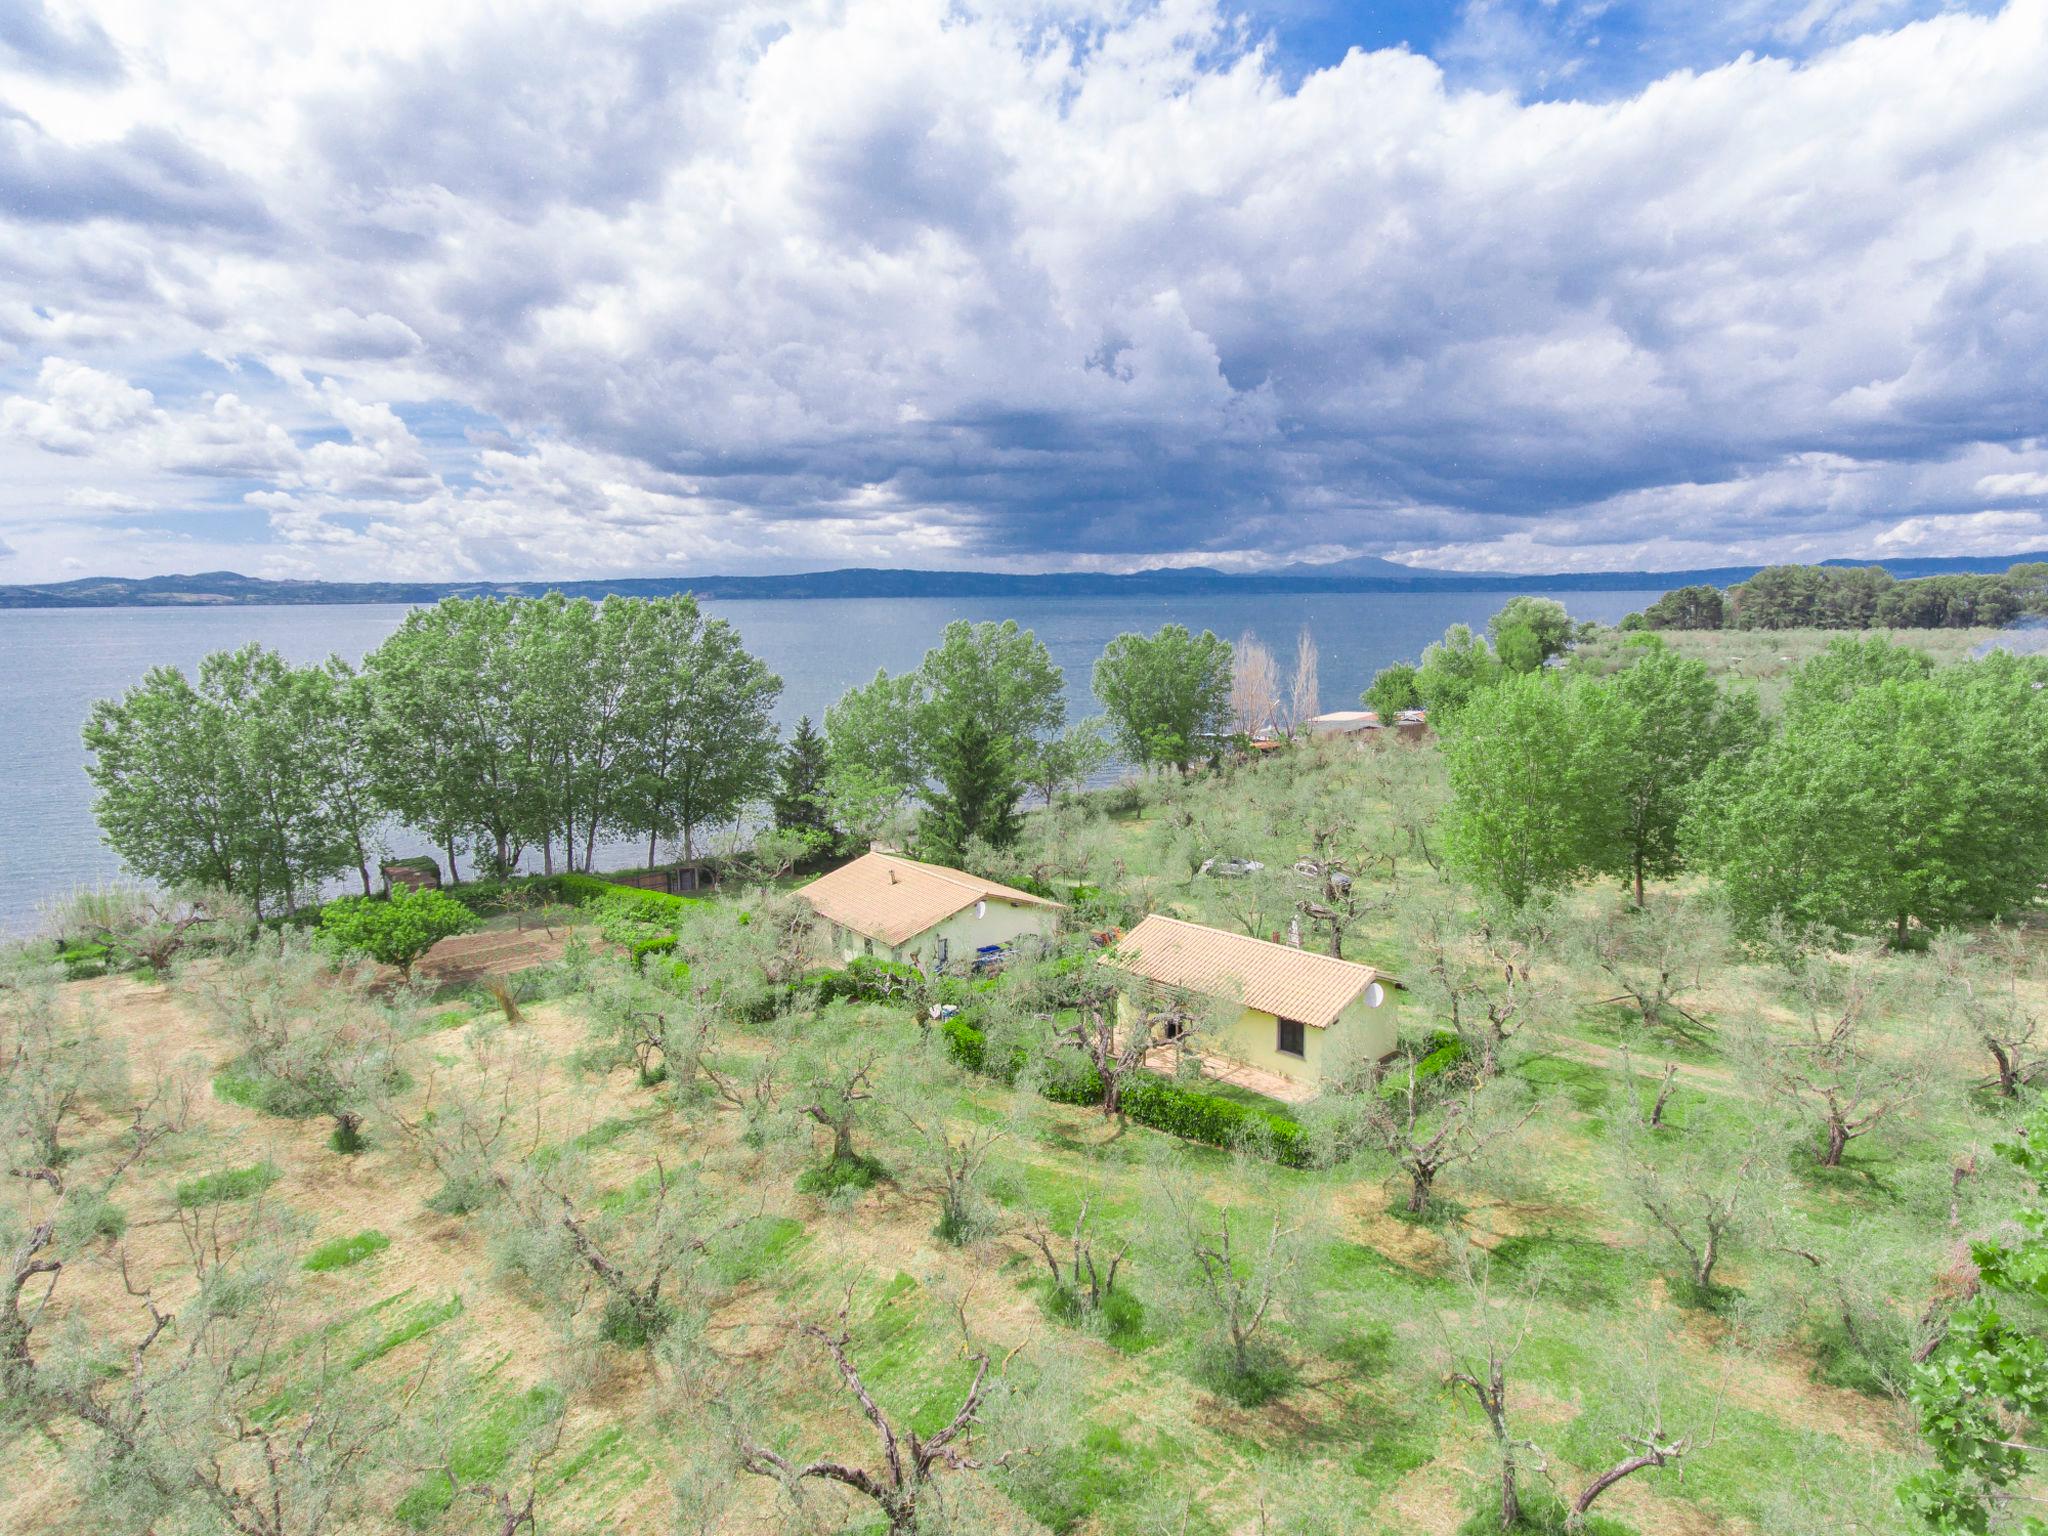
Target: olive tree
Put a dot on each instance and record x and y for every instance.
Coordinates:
(905, 1482)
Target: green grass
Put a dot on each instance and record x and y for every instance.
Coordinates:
(341, 1252)
(763, 1245)
(477, 1453)
(419, 1321)
(227, 1184)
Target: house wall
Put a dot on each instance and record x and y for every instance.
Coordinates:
(1002, 922)
(1253, 1037)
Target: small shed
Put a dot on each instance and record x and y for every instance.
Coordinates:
(1344, 722)
(680, 879)
(420, 874)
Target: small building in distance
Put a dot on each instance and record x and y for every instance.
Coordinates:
(679, 879)
(894, 908)
(1344, 722)
(420, 873)
(1292, 1005)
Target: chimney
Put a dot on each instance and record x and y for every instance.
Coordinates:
(892, 876)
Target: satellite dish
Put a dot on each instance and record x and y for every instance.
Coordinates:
(1375, 994)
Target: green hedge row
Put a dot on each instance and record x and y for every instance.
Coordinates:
(1193, 1115)
(1188, 1113)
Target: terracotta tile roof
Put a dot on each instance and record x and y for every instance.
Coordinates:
(891, 899)
(1277, 978)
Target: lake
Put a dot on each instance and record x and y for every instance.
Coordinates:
(57, 661)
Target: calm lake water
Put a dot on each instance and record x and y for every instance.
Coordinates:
(56, 662)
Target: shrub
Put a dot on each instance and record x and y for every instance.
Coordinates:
(1188, 1113)
(460, 1194)
(341, 1252)
(1194, 1115)
(865, 980)
(856, 1172)
(227, 1184)
(661, 944)
(395, 931)
(1446, 1050)
(81, 961)
(632, 1327)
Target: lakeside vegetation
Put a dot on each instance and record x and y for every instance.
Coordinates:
(1694, 1201)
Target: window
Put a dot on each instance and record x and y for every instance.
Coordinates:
(867, 946)
(942, 949)
(1293, 1038)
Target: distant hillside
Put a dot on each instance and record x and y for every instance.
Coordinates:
(228, 588)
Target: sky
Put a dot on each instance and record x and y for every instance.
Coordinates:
(396, 290)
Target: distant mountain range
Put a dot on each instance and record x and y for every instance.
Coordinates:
(1364, 574)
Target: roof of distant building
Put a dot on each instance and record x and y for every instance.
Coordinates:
(1275, 978)
(891, 899)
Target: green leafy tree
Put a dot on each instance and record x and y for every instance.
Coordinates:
(1687, 608)
(1534, 797)
(1809, 597)
(977, 783)
(800, 800)
(341, 757)
(987, 692)
(456, 749)
(700, 728)
(1982, 1394)
(1656, 727)
(397, 931)
(1392, 690)
(1167, 695)
(1454, 670)
(1068, 760)
(1528, 631)
(222, 783)
(871, 743)
(1877, 805)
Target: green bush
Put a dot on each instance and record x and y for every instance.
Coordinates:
(631, 1327)
(1446, 1050)
(830, 1178)
(661, 944)
(81, 961)
(394, 931)
(1193, 1115)
(1188, 1113)
(340, 1252)
(227, 1184)
(865, 980)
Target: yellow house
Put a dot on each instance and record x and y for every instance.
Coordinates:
(1292, 1007)
(894, 908)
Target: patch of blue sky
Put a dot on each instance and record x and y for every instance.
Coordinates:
(1576, 49)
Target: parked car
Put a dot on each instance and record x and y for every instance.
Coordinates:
(1231, 869)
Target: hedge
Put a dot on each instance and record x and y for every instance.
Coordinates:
(578, 890)
(1188, 1113)
(1193, 1115)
